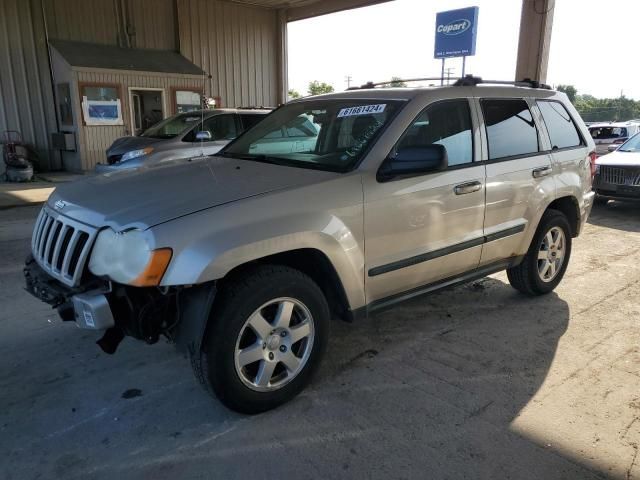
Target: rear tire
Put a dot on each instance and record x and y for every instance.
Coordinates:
(546, 260)
(266, 336)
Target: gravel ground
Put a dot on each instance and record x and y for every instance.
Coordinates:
(473, 382)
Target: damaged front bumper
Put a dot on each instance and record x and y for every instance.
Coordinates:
(178, 313)
(88, 307)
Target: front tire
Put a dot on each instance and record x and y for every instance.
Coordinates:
(267, 333)
(546, 260)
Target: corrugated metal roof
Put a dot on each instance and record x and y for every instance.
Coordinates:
(93, 55)
(300, 9)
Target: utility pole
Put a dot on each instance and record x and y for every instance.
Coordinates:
(348, 79)
(449, 71)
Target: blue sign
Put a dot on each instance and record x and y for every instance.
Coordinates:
(456, 33)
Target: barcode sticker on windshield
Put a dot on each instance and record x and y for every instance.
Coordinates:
(362, 110)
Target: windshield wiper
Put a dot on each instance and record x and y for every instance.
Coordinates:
(256, 157)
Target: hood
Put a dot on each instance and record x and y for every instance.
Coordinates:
(146, 196)
(621, 159)
(123, 145)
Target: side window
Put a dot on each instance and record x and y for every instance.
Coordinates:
(563, 133)
(301, 127)
(249, 120)
(510, 128)
(446, 123)
(221, 127)
(277, 133)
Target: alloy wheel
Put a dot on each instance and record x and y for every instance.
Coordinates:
(551, 254)
(274, 344)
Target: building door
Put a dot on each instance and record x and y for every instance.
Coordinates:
(147, 108)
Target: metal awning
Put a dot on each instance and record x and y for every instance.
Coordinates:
(301, 9)
(111, 57)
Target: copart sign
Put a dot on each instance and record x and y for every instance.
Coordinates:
(456, 33)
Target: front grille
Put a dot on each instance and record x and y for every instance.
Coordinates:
(619, 175)
(61, 246)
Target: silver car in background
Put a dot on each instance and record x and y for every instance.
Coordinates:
(185, 135)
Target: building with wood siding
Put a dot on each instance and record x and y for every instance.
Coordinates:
(239, 45)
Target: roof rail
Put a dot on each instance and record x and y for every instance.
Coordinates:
(470, 80)
(466, 81)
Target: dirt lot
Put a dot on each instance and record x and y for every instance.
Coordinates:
(474, 382)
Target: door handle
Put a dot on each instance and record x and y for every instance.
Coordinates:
(468, 187)
(541, 172)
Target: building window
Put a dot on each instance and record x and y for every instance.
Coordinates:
(101, 104)
(187, 101)
(64, 104)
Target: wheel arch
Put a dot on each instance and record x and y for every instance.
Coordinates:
(570, 207)
(310, 261)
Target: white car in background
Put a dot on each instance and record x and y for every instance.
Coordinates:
(609, 136)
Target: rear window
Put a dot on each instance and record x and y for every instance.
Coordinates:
(510, 128)
(563, 133)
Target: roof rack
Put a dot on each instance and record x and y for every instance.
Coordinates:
(470, 80)
(466, 81)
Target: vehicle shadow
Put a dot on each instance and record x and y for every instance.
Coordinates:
(441, 379)
(617, 214)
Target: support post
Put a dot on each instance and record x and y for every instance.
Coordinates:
(442, 74)
(281, 54)
(536, 23)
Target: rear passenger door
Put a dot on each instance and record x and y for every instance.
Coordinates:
(519, 179)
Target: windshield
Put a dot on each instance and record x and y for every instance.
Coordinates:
(606, 133)
(172, 126)
(322, 134)
(631, 145)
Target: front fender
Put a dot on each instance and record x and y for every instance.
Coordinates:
(207, 245)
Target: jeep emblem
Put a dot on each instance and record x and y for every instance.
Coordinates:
(455, 28)
(60, 204)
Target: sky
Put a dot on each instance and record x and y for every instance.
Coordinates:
(396, 38)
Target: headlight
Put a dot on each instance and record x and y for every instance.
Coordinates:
(125, 257)
(136, 153)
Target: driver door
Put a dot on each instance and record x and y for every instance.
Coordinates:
(428, 227)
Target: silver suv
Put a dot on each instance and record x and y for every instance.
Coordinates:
(243, 258)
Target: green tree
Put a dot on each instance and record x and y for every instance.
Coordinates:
(293, 93)
(397, 82)
(318, 88)
(569, 90)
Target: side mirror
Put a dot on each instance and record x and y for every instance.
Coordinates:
(203, 135)
(414, 161)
